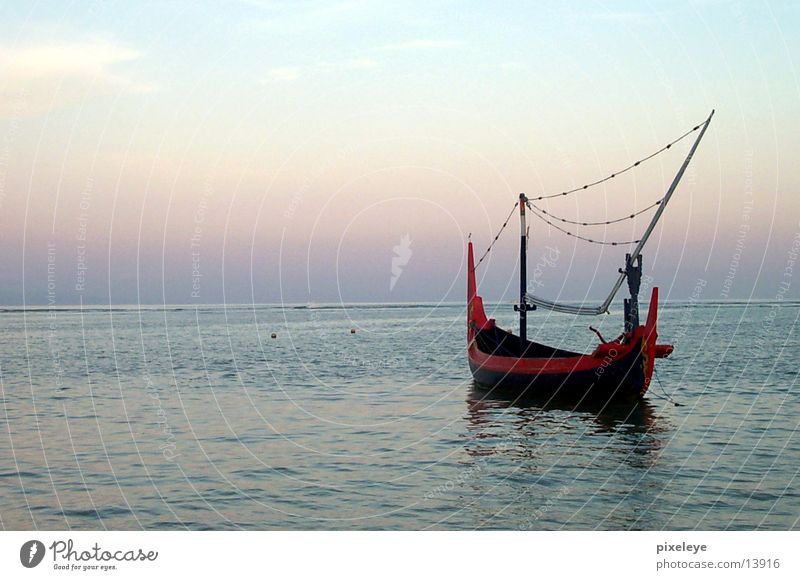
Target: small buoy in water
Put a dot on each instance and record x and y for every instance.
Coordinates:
(274, 335)
(352, 331)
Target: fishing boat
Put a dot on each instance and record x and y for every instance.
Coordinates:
(616, 369)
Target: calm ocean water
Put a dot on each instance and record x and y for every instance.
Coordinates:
(188, 417)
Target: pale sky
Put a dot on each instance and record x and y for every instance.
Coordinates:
(256, 151)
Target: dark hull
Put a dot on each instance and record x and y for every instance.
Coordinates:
(621, 379)
(506, 363)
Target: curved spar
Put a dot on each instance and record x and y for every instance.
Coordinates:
(622, 367)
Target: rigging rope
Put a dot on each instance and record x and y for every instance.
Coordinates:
(533, 206)
(535, 210)
(590, 240)
(505, 223)
(620, 172)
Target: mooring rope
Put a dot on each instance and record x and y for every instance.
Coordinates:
(667, 396)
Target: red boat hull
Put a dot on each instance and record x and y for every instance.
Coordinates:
(620, 375)
(615, 370)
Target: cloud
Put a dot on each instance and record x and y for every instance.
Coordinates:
(285, 73)
(292, 73)
(282, 16)
(350, 64)
(623, 16)
(85, 59)
(421, 44)
(511, 66)
(54, 74)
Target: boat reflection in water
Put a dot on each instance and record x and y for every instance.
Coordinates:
(549, 460)
(635, 416)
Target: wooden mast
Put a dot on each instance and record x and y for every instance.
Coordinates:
(523, 307)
